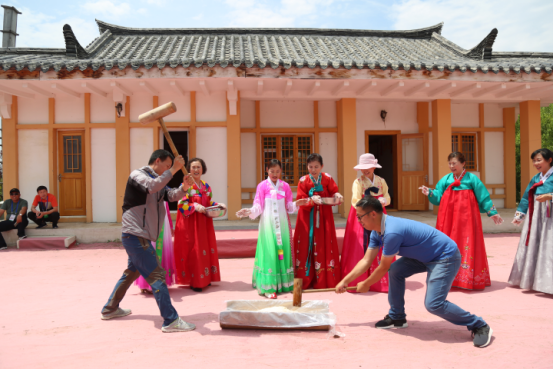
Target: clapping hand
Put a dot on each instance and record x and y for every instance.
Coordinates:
(425, 190)
(497, 219)
(517, 221)
(302, 202)
(317, 199)
(242, 213)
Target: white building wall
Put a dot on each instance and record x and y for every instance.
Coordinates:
(102, 109)
(464, 115)
(33, 162)
(32, 111)
(140, 103)
(103, 171)
(248, 161)
(212, 108)
(401, 116)
(327, 114)
(493, 115)
(328, 148)
(287, 114)
(182, 102)
(495, 163)
(247, 113)
(69, 109)
(211, 146)
(142, 146)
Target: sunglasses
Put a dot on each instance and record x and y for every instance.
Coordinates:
(14, 193)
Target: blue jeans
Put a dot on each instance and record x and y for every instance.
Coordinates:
(142, 261)
(440, 277)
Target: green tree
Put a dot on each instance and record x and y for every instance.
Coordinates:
(546, 138)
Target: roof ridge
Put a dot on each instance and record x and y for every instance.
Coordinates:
(421, 33)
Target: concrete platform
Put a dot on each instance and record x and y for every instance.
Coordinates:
(51, 319)
(46, 243)
(111, 232)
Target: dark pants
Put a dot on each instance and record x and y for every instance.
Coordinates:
(8, 225)
(54, 218)
(142, 261)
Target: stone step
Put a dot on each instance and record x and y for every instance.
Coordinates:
(46, 243)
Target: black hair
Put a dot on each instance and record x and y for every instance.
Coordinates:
(273, 163)
(457, 155)
(202, 162)
(314, 157)
(161, 155)
(370, 203)
(41, 188)
(545, 153)
(16, 191)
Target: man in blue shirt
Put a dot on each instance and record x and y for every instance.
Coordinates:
(422, 249)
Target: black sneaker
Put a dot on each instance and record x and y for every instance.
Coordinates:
(55, 226)
(482, 336)
(388, 323)
(41, 226)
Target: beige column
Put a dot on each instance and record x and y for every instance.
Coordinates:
(530, 139)
(234, 174)
(441, 139)
(347, 150)
(122, 156)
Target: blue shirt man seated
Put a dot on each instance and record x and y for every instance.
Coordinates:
(422, 249)
(16, 218)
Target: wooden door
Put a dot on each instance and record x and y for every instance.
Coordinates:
(71, 177)
(413, 170)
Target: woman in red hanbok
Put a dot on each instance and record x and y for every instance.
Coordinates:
(356, 238)
(462, 197)
(317, 255)
(195, 247)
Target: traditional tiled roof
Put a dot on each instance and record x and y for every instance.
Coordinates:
(122, 47)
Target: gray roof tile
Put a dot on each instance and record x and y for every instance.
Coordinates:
(425, 48)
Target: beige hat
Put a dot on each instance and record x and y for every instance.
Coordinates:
(367, 161)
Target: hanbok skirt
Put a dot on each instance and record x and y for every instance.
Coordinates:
(533, 266)
(459, 218)
(272, 273)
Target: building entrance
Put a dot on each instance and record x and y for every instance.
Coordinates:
(383, 147)
(180, 139)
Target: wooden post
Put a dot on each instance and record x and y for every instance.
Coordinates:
(509, 152)
(441, 139)
(234, 176)
(530, 139)
(122, 156)
(52, 148)
(347, 150)
(88, 158)
(10, 151)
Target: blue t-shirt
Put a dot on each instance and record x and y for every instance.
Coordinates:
(412, 239)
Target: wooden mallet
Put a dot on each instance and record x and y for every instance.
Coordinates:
(158, 114)
(298, 291)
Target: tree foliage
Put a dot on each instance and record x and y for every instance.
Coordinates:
(546, 138)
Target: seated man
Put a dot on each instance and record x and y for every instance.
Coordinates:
(16, 208)
(47, 208)
(422, 249)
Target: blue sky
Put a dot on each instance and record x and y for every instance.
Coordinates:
(522, 26)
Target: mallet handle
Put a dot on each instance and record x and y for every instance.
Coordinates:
(328, 290)
(170, 141)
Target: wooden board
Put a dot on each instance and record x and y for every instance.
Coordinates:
(315, 328)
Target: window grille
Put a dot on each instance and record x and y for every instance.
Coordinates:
(292, 151)
(466, 144)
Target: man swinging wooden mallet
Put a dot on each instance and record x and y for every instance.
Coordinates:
(143, 218)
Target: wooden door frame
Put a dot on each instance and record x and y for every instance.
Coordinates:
(424, 160)
(59, 169)
(394, 133)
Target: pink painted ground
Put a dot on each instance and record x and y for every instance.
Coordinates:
(50, 318)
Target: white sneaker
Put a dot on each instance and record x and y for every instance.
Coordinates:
(116, 314)
(178, 325)
(22, 237)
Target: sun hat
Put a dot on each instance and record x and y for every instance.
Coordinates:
(367, 161)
